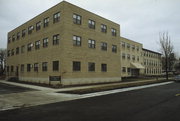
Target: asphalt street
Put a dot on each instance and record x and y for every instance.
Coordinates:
(161, 103)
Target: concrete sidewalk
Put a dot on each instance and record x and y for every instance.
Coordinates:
(45, 95)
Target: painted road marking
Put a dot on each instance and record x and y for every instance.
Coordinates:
(122, 90)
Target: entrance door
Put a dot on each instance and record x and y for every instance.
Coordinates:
(135, 72)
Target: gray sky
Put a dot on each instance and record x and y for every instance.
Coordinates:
(140, 20)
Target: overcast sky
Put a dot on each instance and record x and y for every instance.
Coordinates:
(140, 20)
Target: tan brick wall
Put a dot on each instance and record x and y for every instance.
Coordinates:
(65, 52)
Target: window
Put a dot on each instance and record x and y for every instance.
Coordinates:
(91, 66)
(76, 19)
(22, 67)
(91, 24)
(46, 22)
(12, 52)
(44, 66)
(36, 67)
(30, 29)
(103, 28)
(76, 66)
(17, 50)
(45, 42)
(133, 57)
(18, 35)
(123, 56)
(12, 68)
(129, 70)
(113, 31)
(23, 32)
(13, 38)
(55, 65)
(104, 67)
(56, 17)
(37, 44)
(133, 47)
(28, 67)
(123, 44)
(22, 49)
(128, 45)
(128, 56)
(138, 58)
(103, 46)
(9, 39)
(137, 48)
(9, 53)
(29, 47)
(91, 43)
(76, 40)
(38, 25)
(56, 39)
(114, 48)
(124, 69)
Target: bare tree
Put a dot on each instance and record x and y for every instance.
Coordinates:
(2, 60)
(166, 48)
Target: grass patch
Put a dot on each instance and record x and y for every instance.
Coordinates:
(112, 87)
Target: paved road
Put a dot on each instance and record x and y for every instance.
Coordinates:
(6, 89)
(160, 103)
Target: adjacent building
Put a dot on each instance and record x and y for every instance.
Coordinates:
(152, 62)
(68, 45)
(131, 58)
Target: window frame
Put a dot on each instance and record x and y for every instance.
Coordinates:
(28, 67)
(23, 32)
(56, 17)
(113, 32)
(55, 65)
(76, 40)
(13, 38)
(124, 69)
(103, 28)
(103, 67)
(56, 39)
(76, 66)
(45, 42)
(114, 48)
(29, 47)
(77, 19)
(91, 24)
(17, 50)
(104, 46)
(46, 22)
(91, 43)
(44, 66)
(38, 26)
(91, 66)
(37, 44)
(18, 36)
(36, 65)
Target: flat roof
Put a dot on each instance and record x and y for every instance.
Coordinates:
(151, 51)
(130, 40)
(58, 4)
